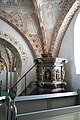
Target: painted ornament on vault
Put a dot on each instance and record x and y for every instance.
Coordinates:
(32, 27)
(50, 13)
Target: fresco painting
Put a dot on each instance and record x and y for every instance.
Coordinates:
(31, 25)
(50, 11)
(16, 2)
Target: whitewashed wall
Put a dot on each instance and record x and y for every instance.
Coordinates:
(67, 50)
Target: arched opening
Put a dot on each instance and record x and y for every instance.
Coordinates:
(10, 65)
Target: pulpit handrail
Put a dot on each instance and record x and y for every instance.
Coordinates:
(22, 78)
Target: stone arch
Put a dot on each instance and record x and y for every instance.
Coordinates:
(64, 27)
(14, 51)
(4, 40)
(16, 45)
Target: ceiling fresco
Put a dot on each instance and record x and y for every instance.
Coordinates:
(16, 2)
(38, 20)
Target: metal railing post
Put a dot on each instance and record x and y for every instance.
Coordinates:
(22, 77)
(8, 112)
(25, 86)
(11, 110)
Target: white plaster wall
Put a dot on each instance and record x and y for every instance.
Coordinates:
(5, 28)
(67, 51)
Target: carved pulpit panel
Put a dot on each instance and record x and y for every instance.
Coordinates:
(50, 74)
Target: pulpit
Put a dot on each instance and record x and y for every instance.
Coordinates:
(50, 74)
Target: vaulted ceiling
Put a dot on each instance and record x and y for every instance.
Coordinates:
(38, 21)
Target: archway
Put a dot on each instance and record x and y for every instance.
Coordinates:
(11, 59)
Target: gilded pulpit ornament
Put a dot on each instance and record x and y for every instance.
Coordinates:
(50, 74)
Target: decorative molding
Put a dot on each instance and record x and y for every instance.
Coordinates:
(16, 45)
(65, 7)
(64, 27)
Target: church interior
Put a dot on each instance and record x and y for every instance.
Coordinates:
(39, 59)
